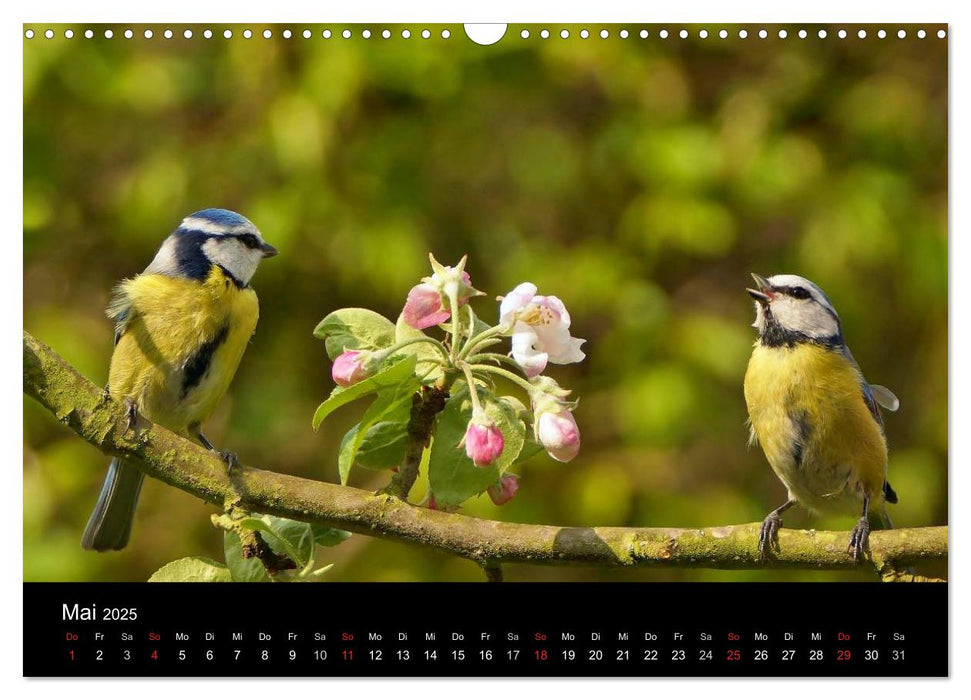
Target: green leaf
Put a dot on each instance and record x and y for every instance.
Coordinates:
(347, 452)
(192, 569)
(398, 373)
(452, 476)
(298, 536)
(240, 568)
(384, 445)
(392, 406)
(354, 329)
(421, 351)
(290, 538)
(328, 536)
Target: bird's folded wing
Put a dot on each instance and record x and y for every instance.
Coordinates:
(874, 395)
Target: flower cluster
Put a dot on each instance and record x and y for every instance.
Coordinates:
(538, 328)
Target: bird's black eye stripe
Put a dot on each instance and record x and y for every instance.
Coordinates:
(798, 292)
(249, 240)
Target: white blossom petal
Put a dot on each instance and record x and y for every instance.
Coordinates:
(557, 306)
(525, 353)
(516, 301)
(569, 353)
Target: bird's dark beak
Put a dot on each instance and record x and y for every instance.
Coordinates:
(763, 291)
(268, 250)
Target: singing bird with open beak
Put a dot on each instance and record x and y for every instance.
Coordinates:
(810, 408)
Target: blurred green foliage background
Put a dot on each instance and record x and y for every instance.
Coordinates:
(639, 180)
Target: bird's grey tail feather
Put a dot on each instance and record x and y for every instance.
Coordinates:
(887, 522)
(110, 524)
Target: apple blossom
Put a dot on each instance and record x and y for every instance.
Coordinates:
(503, 491)
(556, 430)
(429, 304)
(423, 308)
(483, 439)
(540, 328)
(351, 366)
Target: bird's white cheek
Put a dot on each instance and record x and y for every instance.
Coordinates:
(789, 314)
(804, 317)
(247, 265)
(234, 256)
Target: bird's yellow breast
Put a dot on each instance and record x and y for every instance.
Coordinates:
(807, 412)
(180, 345)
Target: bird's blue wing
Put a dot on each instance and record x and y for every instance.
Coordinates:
(874, 397)
(871, 403)
(868, 398)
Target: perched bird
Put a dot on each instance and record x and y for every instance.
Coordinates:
(181, 328)
(811, 410)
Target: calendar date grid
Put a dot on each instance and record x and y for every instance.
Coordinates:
(622, 630)
(334, 650)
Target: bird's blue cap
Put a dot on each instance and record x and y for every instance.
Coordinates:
(221, 217)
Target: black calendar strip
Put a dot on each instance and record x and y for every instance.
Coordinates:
(485, 629)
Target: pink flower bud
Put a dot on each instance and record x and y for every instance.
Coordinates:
(557, 431)
(504, 491)
(424, 309)
(483, 440)
(350, 367)
(428, 303)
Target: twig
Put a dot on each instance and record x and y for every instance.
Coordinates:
(493, 573)
(424, 408)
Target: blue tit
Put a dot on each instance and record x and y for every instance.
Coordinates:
(811, 410)
(181, 328)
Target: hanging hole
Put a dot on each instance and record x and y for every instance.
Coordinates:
(485, 34)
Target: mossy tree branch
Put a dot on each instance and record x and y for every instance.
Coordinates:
(100, 420)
